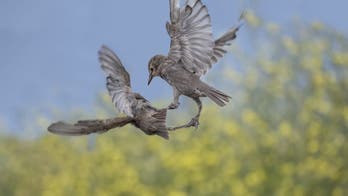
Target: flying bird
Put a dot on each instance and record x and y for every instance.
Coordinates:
(139, 111)
(192, 52)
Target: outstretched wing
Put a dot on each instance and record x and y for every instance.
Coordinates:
(225, 40)
(220, 44)
(85, 127)
(191, 35)
(118, 82)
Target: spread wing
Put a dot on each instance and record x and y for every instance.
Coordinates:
(118, 82)
(85, 127)
(220, 44)
(191, 35)
(225, 40)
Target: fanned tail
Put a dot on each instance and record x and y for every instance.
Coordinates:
(159, 121)
(215, 95)
(85, 127)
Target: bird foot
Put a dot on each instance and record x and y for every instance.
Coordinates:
(194, 122)
(173, 106)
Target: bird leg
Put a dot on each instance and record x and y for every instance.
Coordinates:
(195, 120)
(180, 127)
(175, 104)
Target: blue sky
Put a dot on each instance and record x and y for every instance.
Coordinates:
(48, 49)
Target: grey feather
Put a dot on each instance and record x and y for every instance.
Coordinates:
(223, 41)
(88, 126)
(174, 10)
(191, 37)
(118, 81)
(191, 28)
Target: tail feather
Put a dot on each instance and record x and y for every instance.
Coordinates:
(159, 122)
(85, 127)
(163, 134)
(215, 95)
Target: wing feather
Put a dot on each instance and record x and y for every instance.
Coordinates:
(191, 35)
(117, 81)
(225, 40)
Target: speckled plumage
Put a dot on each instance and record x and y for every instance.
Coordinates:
(139, 111)
(192, 52)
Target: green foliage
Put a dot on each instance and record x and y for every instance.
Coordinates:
(286, 135)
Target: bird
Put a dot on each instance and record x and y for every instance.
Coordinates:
(139, 111)
(192, 52)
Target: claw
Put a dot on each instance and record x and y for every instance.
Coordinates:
(194, 122)
(173, 106)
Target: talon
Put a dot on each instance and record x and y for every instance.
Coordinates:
(173, 106)
(194, 122)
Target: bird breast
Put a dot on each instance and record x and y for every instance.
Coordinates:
(179, 77)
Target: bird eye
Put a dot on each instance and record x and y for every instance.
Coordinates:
(151, 69)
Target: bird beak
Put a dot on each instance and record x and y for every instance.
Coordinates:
(150, 79)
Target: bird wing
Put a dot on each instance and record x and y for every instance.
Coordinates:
(225, 40)
(220, 44)
(191, 35)
(117, 81)
(85, 127)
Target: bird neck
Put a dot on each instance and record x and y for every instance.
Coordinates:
(164, 64)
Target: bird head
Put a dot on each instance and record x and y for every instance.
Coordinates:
(154, 65)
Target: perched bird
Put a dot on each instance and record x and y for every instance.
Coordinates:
(192, 52)
(139, 111)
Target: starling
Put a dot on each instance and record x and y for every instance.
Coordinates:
(192, 52)
(139, 111)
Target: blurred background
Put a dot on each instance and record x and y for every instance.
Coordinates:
(284, 133)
